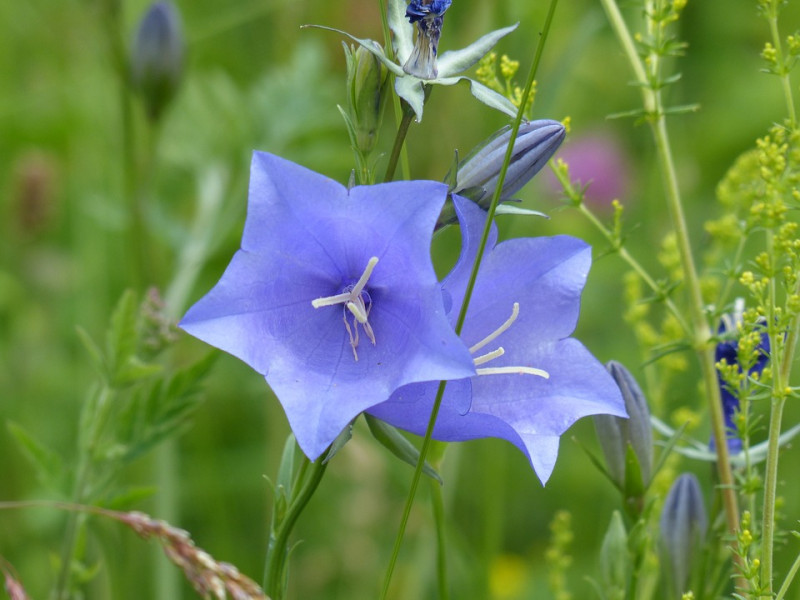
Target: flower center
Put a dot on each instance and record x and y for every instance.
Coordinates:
(489, 356)
(357, 304)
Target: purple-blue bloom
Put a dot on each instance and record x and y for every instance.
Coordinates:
(333, 296)
(429, 17)
(728, 350)
(542, 381)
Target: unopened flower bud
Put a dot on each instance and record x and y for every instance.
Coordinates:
(366, 86)
(536, 142)
(477, 174)
(683, 527)
(616, 434)
(157, 56)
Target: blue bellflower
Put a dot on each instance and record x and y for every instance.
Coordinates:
(728, 350)
(418, 60)
(533, 381)
(333, 296)
(429, 18)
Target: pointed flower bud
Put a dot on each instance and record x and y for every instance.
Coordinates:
(683, 527)
(477, 174)
(157, 57)
(616, 434)
(366, 84)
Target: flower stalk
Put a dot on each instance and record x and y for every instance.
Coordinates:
(647, 80)
(426, 442)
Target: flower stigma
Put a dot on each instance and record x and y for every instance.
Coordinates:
(357, 304)
(489, 356)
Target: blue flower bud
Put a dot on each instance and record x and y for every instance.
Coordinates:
(683, 527)
(157, 57)
(477, 174)
(616, 434)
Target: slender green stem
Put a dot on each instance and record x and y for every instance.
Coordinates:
(778, 399)
(278, 550)
(701, 332)
(786, 83)
(97, 409)
(572, 193)
(441, 540)
(426, 442)
(789, 578)
(399, 140)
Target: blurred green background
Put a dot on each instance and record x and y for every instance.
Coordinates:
(255, 80)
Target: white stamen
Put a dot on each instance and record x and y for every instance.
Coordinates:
(489, 356)
(499, 330)
(484, 358)
(355, 304)
(513, 371)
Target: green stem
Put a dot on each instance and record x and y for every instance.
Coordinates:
(786, 83)
(615, 243)
(701, 333)
(278, 551)
(399, 140)
(441, 540)
(778, 399)
(426, 442)
(789, 578)
(98, 411)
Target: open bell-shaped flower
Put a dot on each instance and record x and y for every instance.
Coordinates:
(537, 381)
(333, 296)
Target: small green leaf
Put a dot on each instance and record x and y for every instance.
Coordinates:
(94, 351)
(397, 444)
(122, 337)
(47, 464)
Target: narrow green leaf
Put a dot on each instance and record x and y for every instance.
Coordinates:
(46, 463)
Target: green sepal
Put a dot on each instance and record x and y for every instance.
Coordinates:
(634, 484)
(397, 444)
(338, 443)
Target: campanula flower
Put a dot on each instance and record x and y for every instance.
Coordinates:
(533, 381)
(420, 66)
(332, 296)
(429, 17)
(727, 351)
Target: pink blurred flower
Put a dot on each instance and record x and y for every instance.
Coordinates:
(596, 160)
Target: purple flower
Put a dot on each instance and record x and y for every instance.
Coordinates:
(728, 350)
(333, 296)
(429, 17)
(533, 380)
